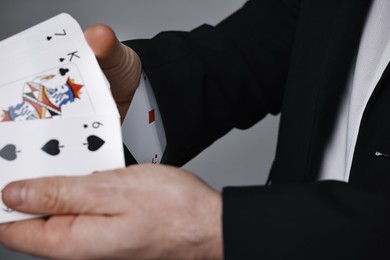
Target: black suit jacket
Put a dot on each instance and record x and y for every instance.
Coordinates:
(290, 57)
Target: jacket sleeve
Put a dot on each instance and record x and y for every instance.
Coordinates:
(216, 78)
(323, 220)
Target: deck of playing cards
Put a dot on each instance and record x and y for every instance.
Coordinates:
(57, 114)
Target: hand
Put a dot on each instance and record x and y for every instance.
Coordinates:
(120, 64)
(140, 212)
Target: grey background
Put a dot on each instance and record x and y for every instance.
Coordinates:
(239, 158)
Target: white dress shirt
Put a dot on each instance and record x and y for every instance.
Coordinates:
(372, 58)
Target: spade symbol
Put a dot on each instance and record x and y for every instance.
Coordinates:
(49, 38)
(52, 147)
(8, 210)
(62, 59)
(9, 152)
(63, 71)
(94, 143)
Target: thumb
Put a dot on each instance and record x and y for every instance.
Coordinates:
(61, 195)
(120, 64)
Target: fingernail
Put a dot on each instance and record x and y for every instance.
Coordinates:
(14, 195)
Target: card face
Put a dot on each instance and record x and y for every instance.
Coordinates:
(71, 146)
(77, 53)
(147, 140)
(59, 30)
(57, 114)
(58, 92)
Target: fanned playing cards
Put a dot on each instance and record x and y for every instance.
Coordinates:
(57, 114)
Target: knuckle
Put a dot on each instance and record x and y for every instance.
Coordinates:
(52, 194)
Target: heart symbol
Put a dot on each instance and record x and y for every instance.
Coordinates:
(94, 143)
(52, 147)
(63, 71)
(62, 59)
(49, 38)
(9, 152)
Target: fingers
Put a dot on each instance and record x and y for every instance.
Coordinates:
(60, 237)
(92, 194)
(165, 210)
(120, 64)
(32, 236)
(11, 238)
(104, 44)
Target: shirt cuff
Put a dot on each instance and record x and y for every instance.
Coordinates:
(142, 129)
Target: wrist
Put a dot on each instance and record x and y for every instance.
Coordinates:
(207, 234)
(199, 234)
(214, 248)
